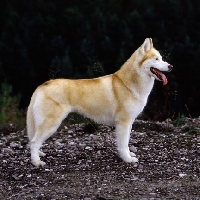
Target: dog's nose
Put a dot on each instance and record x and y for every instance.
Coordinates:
(170, 67)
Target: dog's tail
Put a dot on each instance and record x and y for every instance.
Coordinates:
(30, 122)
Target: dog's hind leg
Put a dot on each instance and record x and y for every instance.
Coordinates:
(123, 128)
(44, 131)
(51, 116)
(35, 145)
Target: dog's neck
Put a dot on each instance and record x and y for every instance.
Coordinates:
(137, 81)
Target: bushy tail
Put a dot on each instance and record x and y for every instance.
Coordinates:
(30, 123)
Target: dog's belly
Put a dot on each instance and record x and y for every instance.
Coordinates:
(97, 115)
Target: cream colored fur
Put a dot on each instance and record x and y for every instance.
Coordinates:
(115, 99)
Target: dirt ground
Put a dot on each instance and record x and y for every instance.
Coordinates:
(86, 166)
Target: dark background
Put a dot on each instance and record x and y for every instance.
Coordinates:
(43, 39)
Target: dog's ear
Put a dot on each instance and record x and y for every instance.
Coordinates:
(147, 45)
(151, 42)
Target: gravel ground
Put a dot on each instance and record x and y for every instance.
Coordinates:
(87, 166)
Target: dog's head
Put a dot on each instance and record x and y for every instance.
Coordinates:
(152, 63)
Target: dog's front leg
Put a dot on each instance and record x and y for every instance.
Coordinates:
(123, 135)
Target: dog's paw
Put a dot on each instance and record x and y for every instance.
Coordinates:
(132, 154)
(130, 159)
(38, 163)
(134, 160)
(42, 154)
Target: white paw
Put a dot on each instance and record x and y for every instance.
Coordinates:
(130, 159)
(135, 159)
(132, 154)
(38, 163)
(42, 154)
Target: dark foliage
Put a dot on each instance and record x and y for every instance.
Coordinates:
(43, 39)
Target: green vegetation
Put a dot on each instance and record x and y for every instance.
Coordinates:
(9, 107)
(89, 125)
(180, 120)
(186, 129)
(189, 129)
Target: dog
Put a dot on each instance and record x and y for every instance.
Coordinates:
(115, 99)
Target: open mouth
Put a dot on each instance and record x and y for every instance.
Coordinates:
(159, 75)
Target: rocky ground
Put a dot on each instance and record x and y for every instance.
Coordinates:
(86, 166)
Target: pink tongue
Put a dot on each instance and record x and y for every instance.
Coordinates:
(162, 77)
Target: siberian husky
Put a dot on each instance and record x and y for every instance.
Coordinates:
(115, 99)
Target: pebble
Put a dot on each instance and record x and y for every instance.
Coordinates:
(70, 131)
(152, 194)
(59, 140)
(133, 149)
(176, 152)
(71, 143)
(13, 144)
(7, 150)
(140, 166)
(182, 175)
(82, 145)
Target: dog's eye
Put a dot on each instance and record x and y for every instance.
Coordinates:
(157, 59)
